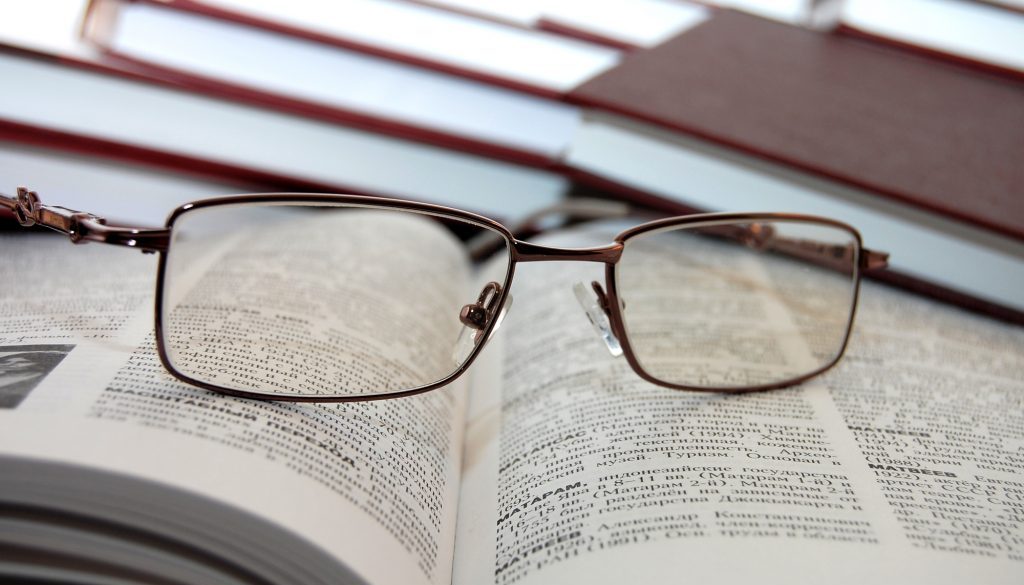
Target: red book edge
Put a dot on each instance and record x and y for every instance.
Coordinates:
(245, 177)
(255, 180)
(51, 139)
(133, 70)
(331, 114)
(936, 54)
(376, 124)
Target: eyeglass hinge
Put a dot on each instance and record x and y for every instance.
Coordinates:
(873, 259)
(82, 227)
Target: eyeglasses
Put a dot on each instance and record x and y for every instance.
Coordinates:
(332, 298)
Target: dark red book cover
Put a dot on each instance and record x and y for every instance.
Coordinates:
(940, 136)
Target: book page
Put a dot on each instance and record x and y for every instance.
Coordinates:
(547, 62)
(293, 67)
(258, 142)
(971, 30)
(372, 484)
(902, 464)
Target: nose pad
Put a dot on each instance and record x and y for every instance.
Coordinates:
(595, 304)
(476, 317)
(501, 315)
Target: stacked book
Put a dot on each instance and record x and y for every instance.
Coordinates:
(503, 109)
(551, 464)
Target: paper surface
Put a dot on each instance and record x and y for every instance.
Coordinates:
(898, 464)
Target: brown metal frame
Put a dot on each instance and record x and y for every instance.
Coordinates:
(754, 236)
(79, 226)
(85, 227)
(348, 201)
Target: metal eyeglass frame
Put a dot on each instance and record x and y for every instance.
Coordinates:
(745, 228)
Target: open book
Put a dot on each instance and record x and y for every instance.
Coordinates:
(549, 462)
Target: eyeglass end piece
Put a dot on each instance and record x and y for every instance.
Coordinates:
(874, 259)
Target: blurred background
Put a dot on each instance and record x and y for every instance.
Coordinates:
(904, 118)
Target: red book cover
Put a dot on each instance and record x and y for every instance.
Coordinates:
(938, 136)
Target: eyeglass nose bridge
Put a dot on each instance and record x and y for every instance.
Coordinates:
(527, 252)
(595, 304)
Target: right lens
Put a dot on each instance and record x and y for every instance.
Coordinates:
(317, 298)
(735, 305)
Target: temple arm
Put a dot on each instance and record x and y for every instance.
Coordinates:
(79, 226)
(762, 237)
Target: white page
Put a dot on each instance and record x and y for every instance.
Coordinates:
(330, 473)
(157, 118)
(643, 23)
(135, 558)
(546, 61)
(969, 29)
(791, 11)
(46, 25)
(339, 78)
(592, 475)
(526, 13)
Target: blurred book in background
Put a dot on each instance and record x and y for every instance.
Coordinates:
(591, 108)
(902, 465)
(68, 98)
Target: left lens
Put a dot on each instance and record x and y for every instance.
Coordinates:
(733, 305)
(315, 298)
